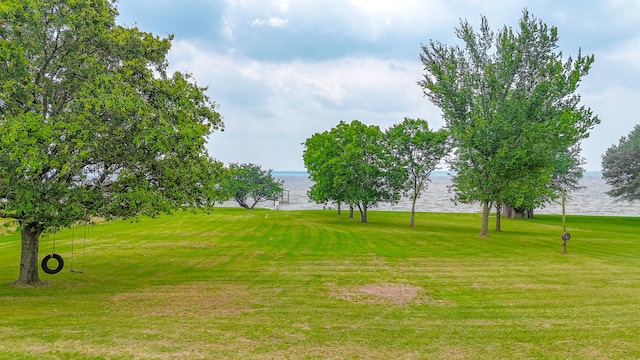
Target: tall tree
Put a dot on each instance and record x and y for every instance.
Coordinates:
(621, 167)
(321, 157)
(249, 181)
(417, 150)
(511, 107)
(351, 163)
(91, 124)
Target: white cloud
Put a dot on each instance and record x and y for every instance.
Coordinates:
(272, 21)
(335, 60)
(617, 107)
(400, 12)
(334, 82)
(366, 19)
(293, 100)
(281, 5)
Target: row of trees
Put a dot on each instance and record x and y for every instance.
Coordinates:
(510, 103)
(512, 116)
(92, 124)
(360, 166)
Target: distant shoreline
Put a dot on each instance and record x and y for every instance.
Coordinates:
(289, 172)
(437, 172)
(590, 199)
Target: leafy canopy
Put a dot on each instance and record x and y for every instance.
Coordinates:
(417, 150)
(248, 181)
(352, 164)
(91, 123)
(621, 167)
(510, 104)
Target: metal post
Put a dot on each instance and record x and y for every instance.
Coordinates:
(564, 220)
(565, 234)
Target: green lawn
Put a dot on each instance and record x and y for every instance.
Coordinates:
(266, 284)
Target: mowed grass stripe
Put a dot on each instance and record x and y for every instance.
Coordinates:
(313, 284)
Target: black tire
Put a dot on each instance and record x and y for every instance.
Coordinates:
(566, 236)
(45, 265)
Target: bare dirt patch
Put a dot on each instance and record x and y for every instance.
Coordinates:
(187, 300)
(381, 294)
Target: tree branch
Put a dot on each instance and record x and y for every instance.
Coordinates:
(11, 216)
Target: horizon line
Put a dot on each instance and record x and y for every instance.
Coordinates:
(438, 172)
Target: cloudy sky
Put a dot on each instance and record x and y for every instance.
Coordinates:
(282, 70)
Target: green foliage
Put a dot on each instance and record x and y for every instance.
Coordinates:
(416, 150)
(568, 170)
(510, 105)
(91, 124)
(313, 285)
(248, 181)
(621, 167)
(351, 163)
(322, 160)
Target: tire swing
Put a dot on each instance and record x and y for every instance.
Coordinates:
(53, 255)
(45, 264)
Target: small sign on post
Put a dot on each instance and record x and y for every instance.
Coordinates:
(565, 237)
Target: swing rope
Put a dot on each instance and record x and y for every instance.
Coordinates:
(84, 243)
(73, 256)
(53, 244)
(72, 236)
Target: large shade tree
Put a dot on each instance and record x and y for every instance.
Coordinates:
(510, 104)
(91, 123)
(621, 167)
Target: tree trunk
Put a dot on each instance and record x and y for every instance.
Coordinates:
(339, 208)
(30, 235)
(363, 214)
(255, 202)
(523, 213)
(498, 218)
(413, 212)
(507, 211)
(486, 209)
(350, 211)
(242, 202)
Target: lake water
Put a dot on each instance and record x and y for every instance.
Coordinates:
(591, 200)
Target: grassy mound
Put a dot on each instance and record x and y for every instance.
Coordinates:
(316, 285)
